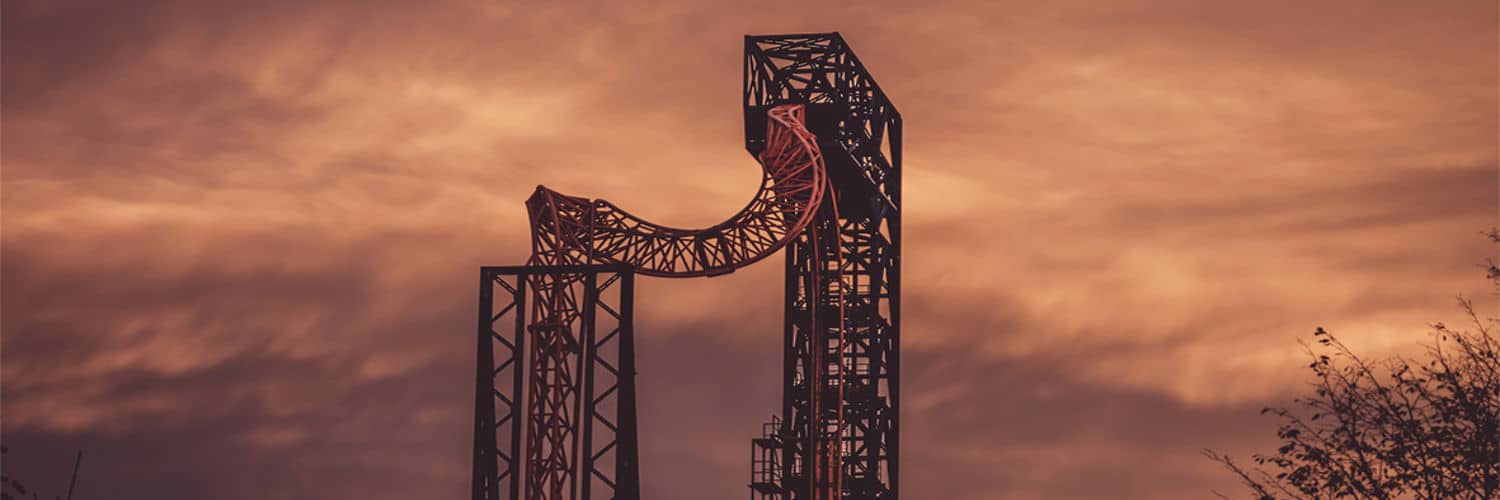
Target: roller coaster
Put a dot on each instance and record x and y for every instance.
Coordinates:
(555, 380)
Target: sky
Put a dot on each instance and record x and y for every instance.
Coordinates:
(239, 241)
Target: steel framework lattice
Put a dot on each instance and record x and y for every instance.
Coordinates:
(841, 391)
(829, 142)
(580, 377)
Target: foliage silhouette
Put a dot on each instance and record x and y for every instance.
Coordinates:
(14, 489)
(1402, 428)
(11, 489)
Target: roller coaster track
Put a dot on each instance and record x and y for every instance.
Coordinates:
(572, 230)
(795, 194)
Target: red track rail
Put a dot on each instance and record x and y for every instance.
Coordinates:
(569, 230)
(795, 194)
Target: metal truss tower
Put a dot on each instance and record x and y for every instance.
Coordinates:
(555, 389)
(577, 377)
(839, 434)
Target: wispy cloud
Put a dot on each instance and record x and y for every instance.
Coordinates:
(239, 239)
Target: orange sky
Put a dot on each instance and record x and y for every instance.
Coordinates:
(239, 241)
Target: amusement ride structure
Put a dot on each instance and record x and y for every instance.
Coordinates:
(555, 387)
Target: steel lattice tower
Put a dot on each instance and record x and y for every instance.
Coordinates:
(842, 367)
(555, 390)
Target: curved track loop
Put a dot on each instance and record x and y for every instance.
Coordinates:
(569, 229)
(795, 200)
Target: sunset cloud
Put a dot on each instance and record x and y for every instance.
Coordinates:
(240, 239)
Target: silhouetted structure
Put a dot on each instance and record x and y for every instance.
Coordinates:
(557, 362)
(829, 142)
(842, 359)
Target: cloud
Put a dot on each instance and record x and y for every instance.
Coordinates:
(239, 239)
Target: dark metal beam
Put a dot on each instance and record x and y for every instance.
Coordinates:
(856, 125)
(577, 378)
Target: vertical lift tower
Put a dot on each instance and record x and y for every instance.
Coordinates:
(840, 389)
